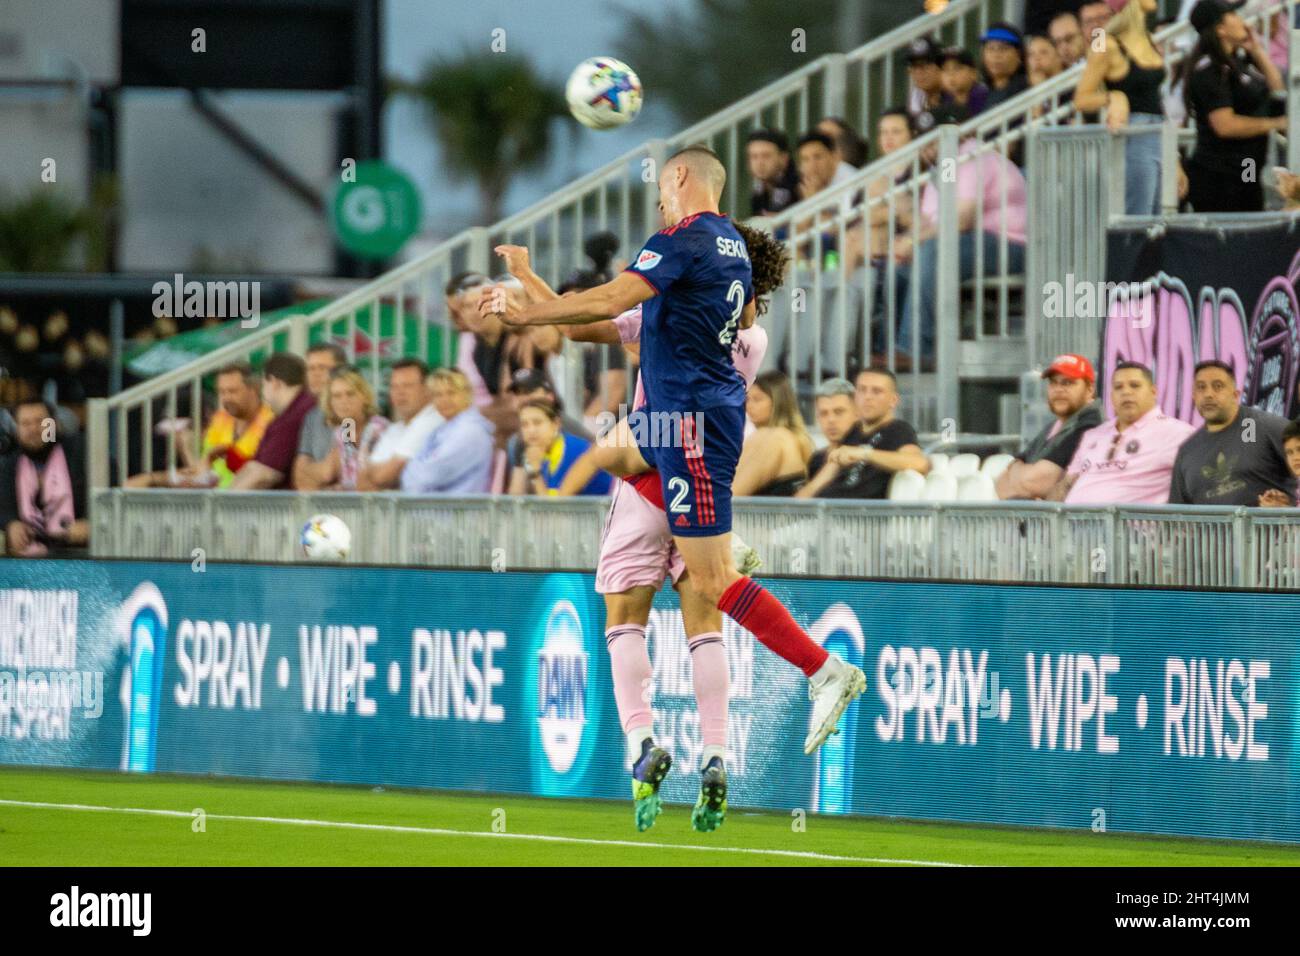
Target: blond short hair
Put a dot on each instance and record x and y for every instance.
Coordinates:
(452, 377)
(358, 382)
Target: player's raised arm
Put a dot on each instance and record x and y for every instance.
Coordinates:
(518, 265)
(590, 305)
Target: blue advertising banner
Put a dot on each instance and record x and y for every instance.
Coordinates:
(1107, 709)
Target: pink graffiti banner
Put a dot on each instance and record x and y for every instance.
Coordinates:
(1165, 328)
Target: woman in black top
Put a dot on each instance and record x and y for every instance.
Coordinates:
(1124, 75)
(774, 460)
(1235, 93)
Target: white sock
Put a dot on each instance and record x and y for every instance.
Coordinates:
(826, 671)
(634, 738)
(711, 751)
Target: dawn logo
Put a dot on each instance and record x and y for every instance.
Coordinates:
(562, 673)
(839, 631)
(142, 626)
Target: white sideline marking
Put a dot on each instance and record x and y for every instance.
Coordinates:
(436, 831)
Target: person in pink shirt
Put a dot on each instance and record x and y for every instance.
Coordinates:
(1129, 459)
(990, 202)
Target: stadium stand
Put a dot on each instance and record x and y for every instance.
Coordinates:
(970, 280)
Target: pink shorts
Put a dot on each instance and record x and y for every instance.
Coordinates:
(636, 547)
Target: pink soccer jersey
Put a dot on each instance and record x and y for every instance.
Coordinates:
(1129, 467)
(746, 352)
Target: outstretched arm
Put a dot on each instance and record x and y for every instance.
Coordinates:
(590, 305)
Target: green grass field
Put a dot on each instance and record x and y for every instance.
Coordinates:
(104, 819)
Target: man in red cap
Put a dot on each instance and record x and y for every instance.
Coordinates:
(1071, 394)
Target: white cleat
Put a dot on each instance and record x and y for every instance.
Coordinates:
(831, 697)
(744, 557)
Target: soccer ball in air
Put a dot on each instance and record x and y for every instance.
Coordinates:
(326, 538)
(603, 93)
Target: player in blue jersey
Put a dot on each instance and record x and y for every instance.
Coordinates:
(693, 282)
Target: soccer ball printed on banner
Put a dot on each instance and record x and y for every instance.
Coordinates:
(326, 538)
(603, 93)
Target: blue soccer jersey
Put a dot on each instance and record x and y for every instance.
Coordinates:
(700, 270)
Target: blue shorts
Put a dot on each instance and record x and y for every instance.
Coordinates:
(695, 454)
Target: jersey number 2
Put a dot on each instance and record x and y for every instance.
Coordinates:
(736, 296)
(680, 490)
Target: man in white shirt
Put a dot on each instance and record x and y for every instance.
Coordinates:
(414, 420)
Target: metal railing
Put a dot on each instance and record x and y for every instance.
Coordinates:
(1013, 541)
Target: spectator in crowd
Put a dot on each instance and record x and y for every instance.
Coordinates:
(414, 419)
(961, 81)
(1002, 52)
(1124, 75)
(894, 130)
(1129, 459)
(352, 413)
(1071, 394)
(850, 148)
(1291, 448)
(776, 183)
(1093, 18)
(42, 486)
(284, 388)
(601, 250)
(1236, 95)
(548, 452)
(604, 371)
(462, 292)
(457, 457)
(230, 441)
(1039, 14)
(500, 352)
(1042, 62)
(925, 74)
(774, 460)
(988, 183)
(867, 443)
(1067, 36)
(317, 441)
(531, 384)
(1236, 457)
(818, 166)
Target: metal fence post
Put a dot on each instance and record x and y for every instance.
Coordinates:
(97, 470)
(478, 254)
(835, 88)
(1168, 167)
(948, 281)
(1243, 565)
(1118, 547)
(1115, 185)
(1293, 88)
(1034, 250)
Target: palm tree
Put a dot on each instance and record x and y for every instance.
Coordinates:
(37, 232)
(491, 114)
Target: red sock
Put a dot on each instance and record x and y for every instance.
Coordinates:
(754, 608)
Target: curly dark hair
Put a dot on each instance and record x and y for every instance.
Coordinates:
(768, 259)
